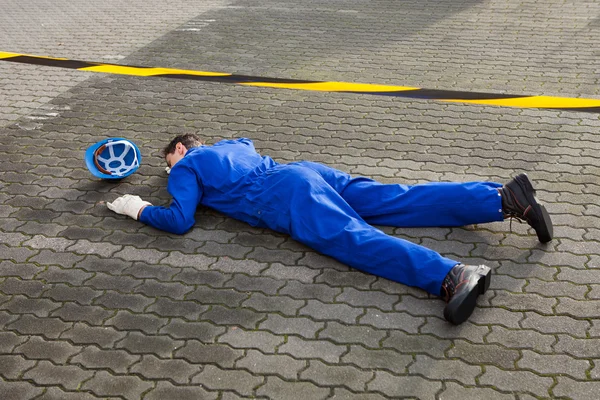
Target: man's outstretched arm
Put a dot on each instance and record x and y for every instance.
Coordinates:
(178, 218)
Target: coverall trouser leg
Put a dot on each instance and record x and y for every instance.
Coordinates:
(297, 200)
(434, 204)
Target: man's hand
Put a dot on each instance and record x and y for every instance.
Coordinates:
(128, 205)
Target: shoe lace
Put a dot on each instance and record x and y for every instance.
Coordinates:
(511, 217)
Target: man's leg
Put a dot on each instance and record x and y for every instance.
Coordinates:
(431, 204)
(297, 200)
(302, 204)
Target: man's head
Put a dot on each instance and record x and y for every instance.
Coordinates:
(177, 148)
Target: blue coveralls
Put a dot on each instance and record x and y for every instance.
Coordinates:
(324, 208)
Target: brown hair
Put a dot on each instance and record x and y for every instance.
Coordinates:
(189, 140)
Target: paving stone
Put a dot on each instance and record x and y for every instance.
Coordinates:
(6, 318)
(23, 271)
(444, 369)
(579, 276)
(161, 346)
(62, 259)
(262, 340)
(525, 271)
(323, 311)
(354, 279)
(121, 238)
(105, 384)
(570, 388)
(54, 393)
(521, 339)
(326, 375)
(484, 354)
(18, 390)
(377, 359)
(113, 282)
(178, 371)
(279, 389)
(416, 344)
(126, 321)
(25, 287)
(237, 316)
(130, 253)
(34, 228)
(228, 265)
(358, 298)
(385, 320)
(352, 334)
(168, 244)
(191, 276)
(152, 288)
(455, 391)
(312, 259)
(280, 304)
(30, 325)
(81, 295)
(200, 353)
(296, 326)
(189, 310)
(466, 330)
(581, 348)
(397, 386)
(262, 254)
(516, 381)
(46, 373)
(201, 331)
(115, 300)
(555, 324)
(43, 242)
(37, 348)
(246, 283)
(73, 312)
(496, 316)
(117, 361)
(23, 305)
(306, 349)
(9, 340)
(287, 272)
(178, 259)
(578, 309)
(213, 249)
(215, 378)
(13, 366)
(524, 302)
(93, 263)
(16, 254)
(298, 290)
(54, 274)
(271, 364)
(165, 390)
(554, 364)
(103, 337)
(207, 295)
(83, 246)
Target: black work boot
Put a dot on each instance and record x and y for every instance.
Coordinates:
(460, 289)
(518, 201)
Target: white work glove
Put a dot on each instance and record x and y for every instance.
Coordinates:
(128, 205)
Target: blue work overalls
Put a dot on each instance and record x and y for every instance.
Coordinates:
(324, 208)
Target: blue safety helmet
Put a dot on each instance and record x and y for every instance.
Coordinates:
(113, 158)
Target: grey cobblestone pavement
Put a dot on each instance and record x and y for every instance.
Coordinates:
(95, 305)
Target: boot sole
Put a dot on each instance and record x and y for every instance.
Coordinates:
(545, 230)
(460, 308)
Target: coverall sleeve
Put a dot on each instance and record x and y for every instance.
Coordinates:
(178, 218)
